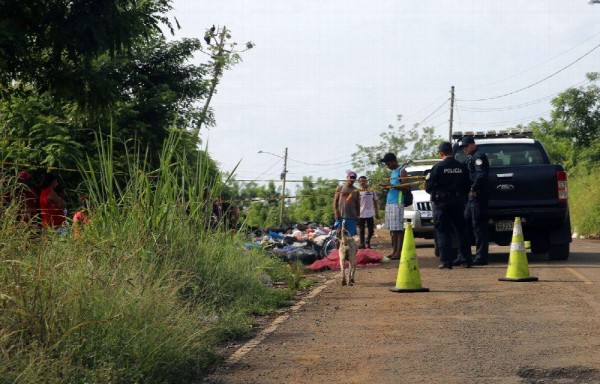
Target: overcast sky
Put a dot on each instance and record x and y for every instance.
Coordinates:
(327, 75)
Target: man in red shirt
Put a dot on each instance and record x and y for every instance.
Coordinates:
(51, 205)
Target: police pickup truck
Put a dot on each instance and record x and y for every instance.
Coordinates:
(524, 183)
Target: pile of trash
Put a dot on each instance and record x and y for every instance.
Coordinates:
(311, 244)
(306, 243)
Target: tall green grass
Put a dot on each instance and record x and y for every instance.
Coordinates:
(143, 295)
(584, 202)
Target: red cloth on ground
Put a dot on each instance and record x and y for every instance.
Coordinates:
(364, 257)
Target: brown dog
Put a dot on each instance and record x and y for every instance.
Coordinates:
(347, 251)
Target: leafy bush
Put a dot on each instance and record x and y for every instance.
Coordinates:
(143, 294)
(584, 202)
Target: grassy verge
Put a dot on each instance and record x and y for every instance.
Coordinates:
(584, 202)
(144, 294)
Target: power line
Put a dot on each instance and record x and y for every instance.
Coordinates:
(431, 114)
(426, 107)
(404, 118)
(440, 124)
(508, 122)
(417, 126)
(341, 164)
(347, 164)
(271, 167)
(510, 107)
(457, 115)
(521, 105)
(535, 66)
(537, 82)
(440, 114)
(317, 164)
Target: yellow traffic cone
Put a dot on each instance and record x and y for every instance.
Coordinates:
(409, 279)
(518, 269)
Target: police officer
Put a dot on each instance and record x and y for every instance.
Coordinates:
(476, 212)
(448, 184)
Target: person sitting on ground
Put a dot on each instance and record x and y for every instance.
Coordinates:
(80, 218)
(51, 205)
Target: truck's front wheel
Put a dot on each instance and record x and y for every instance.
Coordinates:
(558, 251)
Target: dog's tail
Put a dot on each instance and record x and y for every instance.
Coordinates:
(343, 236)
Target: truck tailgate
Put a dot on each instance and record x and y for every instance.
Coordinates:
(523, 186)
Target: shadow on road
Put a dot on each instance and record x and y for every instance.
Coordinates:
(585, 259)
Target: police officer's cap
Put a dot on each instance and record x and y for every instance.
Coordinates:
(445, 147)
(466, 141)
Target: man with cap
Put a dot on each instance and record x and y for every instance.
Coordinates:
(476, 211)
(346, 204)
(448, 184)
(394, 204)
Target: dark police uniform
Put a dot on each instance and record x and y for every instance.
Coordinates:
(476, 215)
(448, 184)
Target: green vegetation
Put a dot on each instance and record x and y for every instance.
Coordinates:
(260, 204)
(316, 205)
(144, 294)
(70, 68)
(572, 138)
(148, 289)
(584, 205)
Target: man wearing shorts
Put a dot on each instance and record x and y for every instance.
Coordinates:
(394, 207)
(346, 204)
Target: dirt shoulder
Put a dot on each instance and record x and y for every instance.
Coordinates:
(470, 328)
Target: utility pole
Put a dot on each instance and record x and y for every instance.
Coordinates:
(283, 176)
(451, 113)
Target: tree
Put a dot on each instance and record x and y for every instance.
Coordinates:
(157, 94)
(258, 204)
(36, 130)
(572, 135)
(406, 144)
(314, 202)
(224, 55)
(425, 145)
(159, 91)
(66, 47)
(397, 140)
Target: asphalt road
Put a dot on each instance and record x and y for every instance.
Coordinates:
(470, 328)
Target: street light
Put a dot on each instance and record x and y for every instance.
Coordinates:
(283, 176)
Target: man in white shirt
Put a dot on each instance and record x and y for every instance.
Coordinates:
(368, 209)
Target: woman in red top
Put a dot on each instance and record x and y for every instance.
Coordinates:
(51, 205)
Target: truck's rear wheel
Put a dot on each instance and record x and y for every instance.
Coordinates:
(558, 251)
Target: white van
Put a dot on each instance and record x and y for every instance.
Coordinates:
(420, 213)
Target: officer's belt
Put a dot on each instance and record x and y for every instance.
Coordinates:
(443, 195)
